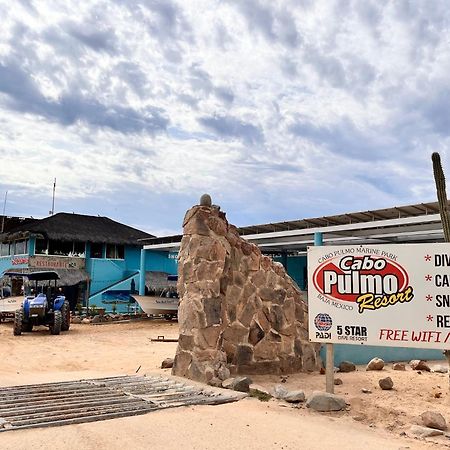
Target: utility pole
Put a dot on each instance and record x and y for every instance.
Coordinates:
(3, 214)
(53, 199)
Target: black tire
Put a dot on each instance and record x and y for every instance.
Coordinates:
(27, 326)
(18, 320)
(55, 327)
(65, 313)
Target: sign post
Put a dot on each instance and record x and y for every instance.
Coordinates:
(329, 361)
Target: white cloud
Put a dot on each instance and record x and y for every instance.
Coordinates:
(281, 110)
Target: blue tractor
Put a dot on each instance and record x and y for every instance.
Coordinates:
(44, 306)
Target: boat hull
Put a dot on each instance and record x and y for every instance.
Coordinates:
(9, 305)
(155, 306)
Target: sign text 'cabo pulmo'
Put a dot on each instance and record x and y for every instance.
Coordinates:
(372, 282)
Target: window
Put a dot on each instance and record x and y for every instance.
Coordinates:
(114, 251)
(4, 249)
(110, 251)
(41, 247)
(96, 250)
(21, 247)
(79, 249)
(59, 248)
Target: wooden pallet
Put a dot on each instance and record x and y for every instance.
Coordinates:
(65, 403)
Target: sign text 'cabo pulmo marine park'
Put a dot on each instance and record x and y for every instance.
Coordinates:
(390, 295)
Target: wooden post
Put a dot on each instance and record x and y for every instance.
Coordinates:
(329, 369)
(142, 273)
(88, 287)
(329, 364)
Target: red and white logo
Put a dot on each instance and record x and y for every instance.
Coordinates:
(371, 281)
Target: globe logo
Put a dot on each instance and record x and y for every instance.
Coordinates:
(323, 322)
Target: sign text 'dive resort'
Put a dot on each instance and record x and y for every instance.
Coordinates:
(389, 295)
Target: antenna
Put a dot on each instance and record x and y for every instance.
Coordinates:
(53, 199)
(3, 214)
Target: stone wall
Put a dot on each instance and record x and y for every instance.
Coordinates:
(239, 311)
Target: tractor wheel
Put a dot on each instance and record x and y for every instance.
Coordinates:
(65, 313)
(27, 326)
(55, 327)
(18, 319)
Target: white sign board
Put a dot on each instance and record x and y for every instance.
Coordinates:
(388, 295)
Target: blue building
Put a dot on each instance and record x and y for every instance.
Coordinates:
(98, 260)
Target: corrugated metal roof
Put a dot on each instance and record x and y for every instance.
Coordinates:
(335, 224)
(396, 212)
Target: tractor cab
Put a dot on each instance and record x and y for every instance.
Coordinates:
(44, 304)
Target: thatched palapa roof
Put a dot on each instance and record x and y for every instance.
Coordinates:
(78, 227)
(11, 222)
(158, 280)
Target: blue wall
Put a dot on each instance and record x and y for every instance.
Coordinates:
(362, 354)
(133, 258)
(295, 268)
(123, 285)
(161, 262)
(6, 263)
(111, 273)
(104, 273)
(107, 272)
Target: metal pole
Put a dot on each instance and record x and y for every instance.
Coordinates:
(88, 287)
(53, 198)
(3, 214)
(142, 273)
(329, 369)
(318, 239)
(329, 364)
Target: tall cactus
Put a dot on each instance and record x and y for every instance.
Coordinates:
(439, 179)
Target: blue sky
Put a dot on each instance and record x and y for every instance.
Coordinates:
(279, 109)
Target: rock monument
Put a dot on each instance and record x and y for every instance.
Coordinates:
(239, 310)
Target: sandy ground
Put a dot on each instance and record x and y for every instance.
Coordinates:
(373, 421)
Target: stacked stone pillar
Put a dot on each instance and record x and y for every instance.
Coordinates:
(239, 311)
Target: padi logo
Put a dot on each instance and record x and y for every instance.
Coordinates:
(323, 322)
(371, 282)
